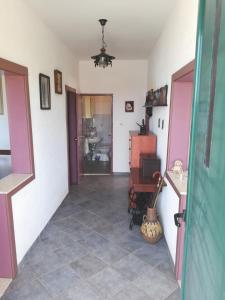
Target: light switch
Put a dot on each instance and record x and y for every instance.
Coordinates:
(159, 122)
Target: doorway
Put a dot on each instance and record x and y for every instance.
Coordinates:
(72, 116)
(178, 149)
(97, 119)
(16, 144)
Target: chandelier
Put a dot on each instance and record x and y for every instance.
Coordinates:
(103, 59)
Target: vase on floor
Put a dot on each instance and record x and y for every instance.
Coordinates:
(151, 228)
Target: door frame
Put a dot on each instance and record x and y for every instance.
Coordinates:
(105, 94)
(18, 101)
(72, 90)
(182, 72)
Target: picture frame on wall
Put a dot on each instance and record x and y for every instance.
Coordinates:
(45, 91)
(58, 81)
(129, 106)
(1, 97)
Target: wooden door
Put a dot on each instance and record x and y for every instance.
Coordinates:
(80, 135)
(72, 137)
(204, 259)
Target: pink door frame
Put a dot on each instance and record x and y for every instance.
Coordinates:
(183, 153)
(16, 77)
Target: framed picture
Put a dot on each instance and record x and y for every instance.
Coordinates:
(129, 106)
(45, 92)
(1, 97)
(58, 81)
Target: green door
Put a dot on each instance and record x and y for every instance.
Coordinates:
(204, 258)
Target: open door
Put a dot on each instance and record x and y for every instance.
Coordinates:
(204, 260)
(80, 135)
(74, 126)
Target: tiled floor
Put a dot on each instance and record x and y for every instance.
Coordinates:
(87, 252)
(96, 167)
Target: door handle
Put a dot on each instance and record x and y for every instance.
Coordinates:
(75, 140)
(179, 216)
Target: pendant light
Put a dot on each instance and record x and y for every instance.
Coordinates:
(103, 59)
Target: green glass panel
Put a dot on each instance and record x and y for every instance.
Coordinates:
(204, 258)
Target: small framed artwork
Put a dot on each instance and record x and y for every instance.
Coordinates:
(58, 81)
(45, 92)
(1, 97)
(129, 106)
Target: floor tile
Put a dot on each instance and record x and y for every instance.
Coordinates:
(74, 229)
(26, 290)
(66, 210)
(152, 254)
(175, 295)
(131, 292)
(60, 280)
(90, 205)
(108, 282)
(87, 266)
(110, 253)
(130, 267)
(82, 292)
(156, 285)
(70, 254)
(57, 238)
(93, 241)
(130, 242)
(42, 264)
(166, 267)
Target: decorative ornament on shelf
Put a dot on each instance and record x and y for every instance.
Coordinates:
(103, 59)
(157, 97)
(142, 127)
(177, 167)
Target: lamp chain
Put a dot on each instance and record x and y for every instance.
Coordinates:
(104, 45)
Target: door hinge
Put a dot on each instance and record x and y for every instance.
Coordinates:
(180, 216)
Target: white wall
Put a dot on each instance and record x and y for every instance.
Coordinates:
(168, 207)
(127, 81)
(27, 41)
(174, 49)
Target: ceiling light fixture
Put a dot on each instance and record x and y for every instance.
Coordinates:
(103, 59)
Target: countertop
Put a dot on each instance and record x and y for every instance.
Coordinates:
(12, 181)
(179, 183)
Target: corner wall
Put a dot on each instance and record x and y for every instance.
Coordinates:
(174, 49)
(126, 80)
(27, 41)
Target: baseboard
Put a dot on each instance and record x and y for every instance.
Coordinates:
(121, 173)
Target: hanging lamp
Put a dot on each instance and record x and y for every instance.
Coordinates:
(103, 59)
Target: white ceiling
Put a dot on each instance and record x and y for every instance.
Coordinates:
(132, 29)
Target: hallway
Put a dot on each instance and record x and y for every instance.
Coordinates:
(87, 252)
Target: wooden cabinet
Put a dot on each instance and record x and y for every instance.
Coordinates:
(140, 144)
